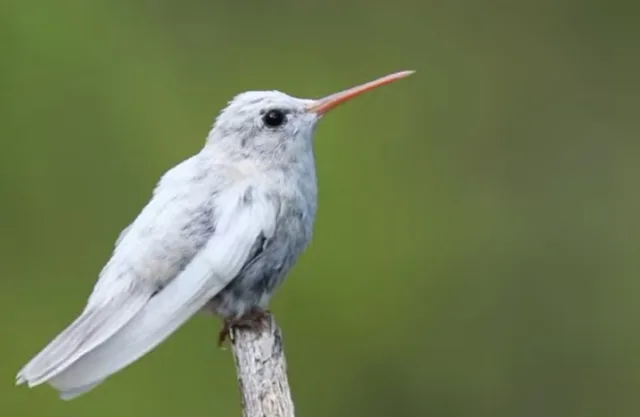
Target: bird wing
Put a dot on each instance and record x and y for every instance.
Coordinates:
(148, 254)
(240, 223)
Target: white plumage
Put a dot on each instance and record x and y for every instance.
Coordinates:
(222, 229)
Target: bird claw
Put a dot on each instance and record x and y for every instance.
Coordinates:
(254, 320)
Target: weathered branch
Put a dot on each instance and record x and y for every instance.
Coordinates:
(262, 371)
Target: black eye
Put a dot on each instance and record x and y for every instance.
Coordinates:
(274, 118)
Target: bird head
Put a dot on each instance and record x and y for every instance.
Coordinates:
(270, 123)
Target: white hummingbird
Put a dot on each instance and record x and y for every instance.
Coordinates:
(221, 231)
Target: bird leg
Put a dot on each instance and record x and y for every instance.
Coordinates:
(253, 320)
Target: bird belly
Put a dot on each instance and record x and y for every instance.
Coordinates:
(251, 289)
(261, 276)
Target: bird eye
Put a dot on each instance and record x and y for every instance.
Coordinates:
(274, 118)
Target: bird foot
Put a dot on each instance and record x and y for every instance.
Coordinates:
(254, 320)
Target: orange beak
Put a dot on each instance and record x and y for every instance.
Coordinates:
(323, 105)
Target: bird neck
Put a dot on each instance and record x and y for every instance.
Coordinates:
(293, 166)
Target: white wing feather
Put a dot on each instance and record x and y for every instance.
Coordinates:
(238, 226)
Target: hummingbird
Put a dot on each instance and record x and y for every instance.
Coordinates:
(219, 234)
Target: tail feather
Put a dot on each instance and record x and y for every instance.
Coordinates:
(50, 355)
(159, 318)
(96, 324)
(76, 392)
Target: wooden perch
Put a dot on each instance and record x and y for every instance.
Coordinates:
(262, 371)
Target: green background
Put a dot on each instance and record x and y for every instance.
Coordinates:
(476, 246)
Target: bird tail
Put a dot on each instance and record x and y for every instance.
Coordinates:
(96, 324)
(76, 392)
(159, 318)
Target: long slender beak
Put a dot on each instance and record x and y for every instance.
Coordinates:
(325, 104)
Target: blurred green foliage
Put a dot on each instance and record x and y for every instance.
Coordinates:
(476, 250)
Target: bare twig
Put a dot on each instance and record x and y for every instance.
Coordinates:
(262, 371)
